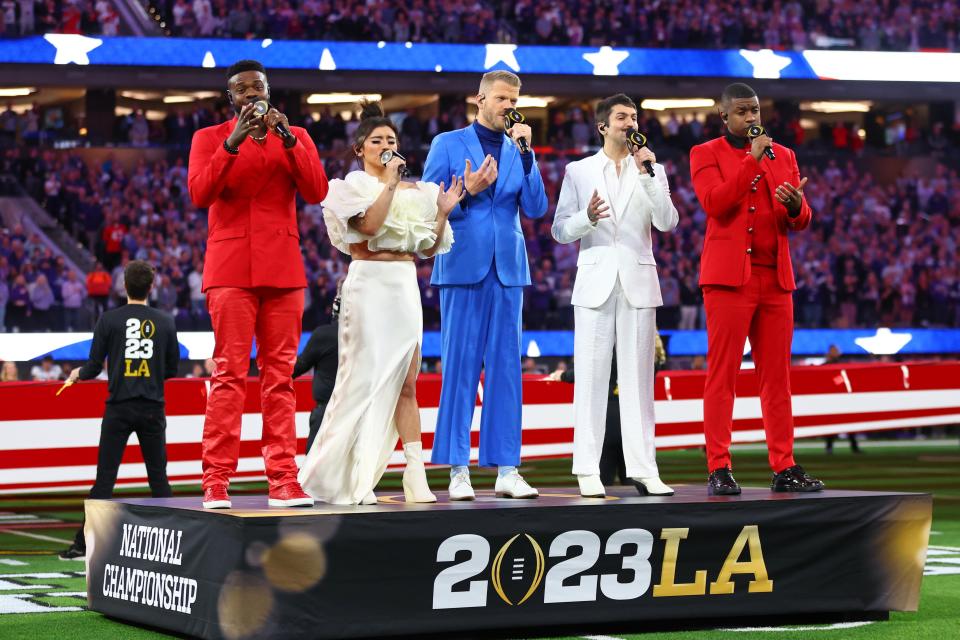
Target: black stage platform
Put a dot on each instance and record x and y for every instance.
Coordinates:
(497, 564)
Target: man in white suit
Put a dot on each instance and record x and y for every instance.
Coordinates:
(609, 202)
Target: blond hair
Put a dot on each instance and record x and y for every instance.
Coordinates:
(491, 77)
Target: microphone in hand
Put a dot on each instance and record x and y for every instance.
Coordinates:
(262, 108)
(638, 140)
(755, 131)
(512, 117)
(390, 154)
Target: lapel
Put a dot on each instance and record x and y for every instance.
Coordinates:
(508, 155)
(600, 183)
(474, 150)
(775, 176)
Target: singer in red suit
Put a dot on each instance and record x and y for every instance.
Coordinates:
(247, 172)
(751, 190)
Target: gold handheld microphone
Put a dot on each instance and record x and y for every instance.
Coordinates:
(755, 131)
(639, 140)
(513, 117)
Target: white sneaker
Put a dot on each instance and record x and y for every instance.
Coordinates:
(460, 487)
(370, 498)
(591, 487)
(513, 485)
(652, 486)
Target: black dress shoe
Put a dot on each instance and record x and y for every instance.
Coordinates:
(795, 479)
(721, 483)
(73, 553)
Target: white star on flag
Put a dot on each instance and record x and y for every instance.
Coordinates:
(505, 53)
(326, 61)
(72, 48)
(533, 349)
(606, 62)
(765, 63)
(884, 342)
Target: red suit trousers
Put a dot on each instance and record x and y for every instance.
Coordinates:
(274, 317)
(762, 311)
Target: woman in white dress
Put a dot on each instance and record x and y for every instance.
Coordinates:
(383, 223)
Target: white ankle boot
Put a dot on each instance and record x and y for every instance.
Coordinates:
(591, 486)
(415, 487)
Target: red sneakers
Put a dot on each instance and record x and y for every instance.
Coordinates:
(216, 497)
(289, 495)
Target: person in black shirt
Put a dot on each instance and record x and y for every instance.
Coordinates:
(141, 348)
(321, 355)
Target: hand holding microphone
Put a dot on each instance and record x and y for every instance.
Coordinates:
(275, 121)
(760, 142)
(518, 130)
(638, 143)
(393, 160)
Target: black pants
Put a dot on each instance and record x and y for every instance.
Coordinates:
(147, 420)
(316, 418)
(612, 463)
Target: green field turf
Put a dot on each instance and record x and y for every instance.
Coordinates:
(44, 597)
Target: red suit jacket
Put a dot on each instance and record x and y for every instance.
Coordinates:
(253, 237)
(723, 177)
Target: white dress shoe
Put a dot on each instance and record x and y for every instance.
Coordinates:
(591, 486)
(370, 498)
(652, 486)
(460, 487)
(513, 485)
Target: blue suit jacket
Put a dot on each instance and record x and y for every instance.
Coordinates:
(488, 224)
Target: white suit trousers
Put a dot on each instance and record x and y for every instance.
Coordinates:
(614, 324)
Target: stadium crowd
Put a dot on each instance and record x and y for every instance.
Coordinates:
(875, 254)
(907, 25)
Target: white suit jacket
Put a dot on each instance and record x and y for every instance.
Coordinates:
(618, 246)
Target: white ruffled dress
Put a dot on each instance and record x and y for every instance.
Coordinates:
(380, 332)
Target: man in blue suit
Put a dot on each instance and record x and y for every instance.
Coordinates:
(481, 284)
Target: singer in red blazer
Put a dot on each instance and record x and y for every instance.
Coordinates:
(747, 279)
(253, 237)
(724, 178)
(254, 280)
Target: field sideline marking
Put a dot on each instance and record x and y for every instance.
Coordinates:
(34, 535)
(826, 627)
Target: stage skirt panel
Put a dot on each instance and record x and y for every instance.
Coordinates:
(381, 328)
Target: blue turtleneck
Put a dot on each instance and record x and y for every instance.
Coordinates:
(491, 141)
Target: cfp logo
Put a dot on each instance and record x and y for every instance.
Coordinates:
(519, 568)
(138, 348)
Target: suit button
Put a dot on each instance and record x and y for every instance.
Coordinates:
(752, 209)
(750, 230)
(753, 189)
(749, 251)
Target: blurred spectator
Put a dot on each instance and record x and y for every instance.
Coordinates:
(46, 370)
(73, 293)
(4, 298)
(18, 308)
(9, 372)
(41, 302)
(98, 289)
